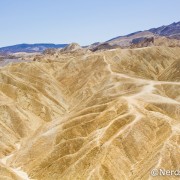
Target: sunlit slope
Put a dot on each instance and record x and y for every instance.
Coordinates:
(106, 115)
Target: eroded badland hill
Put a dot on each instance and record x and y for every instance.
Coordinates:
(107, 115)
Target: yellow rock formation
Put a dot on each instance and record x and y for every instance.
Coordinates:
(109, 115)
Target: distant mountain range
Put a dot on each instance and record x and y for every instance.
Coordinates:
(29, 48)
(171, 31)
(142, 38)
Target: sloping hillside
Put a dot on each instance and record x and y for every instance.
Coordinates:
(105, 115)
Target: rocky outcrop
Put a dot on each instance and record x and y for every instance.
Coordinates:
(104, 46)
(72, 47)
(142, 42)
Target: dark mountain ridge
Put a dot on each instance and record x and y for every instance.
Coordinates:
(30, 48)
(170, 32)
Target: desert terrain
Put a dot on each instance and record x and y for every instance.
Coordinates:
(105, 115)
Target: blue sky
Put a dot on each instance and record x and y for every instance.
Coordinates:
(81, 21)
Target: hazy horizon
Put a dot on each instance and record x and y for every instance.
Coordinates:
(81, 22)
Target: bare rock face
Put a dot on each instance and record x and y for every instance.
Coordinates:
(104, 46)
(105, 115)
(154, 41)
(142, 42)
(71, 47)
